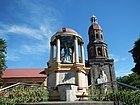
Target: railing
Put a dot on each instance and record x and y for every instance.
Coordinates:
(120, 83)
(8, 87)
(23, 93)
(20, 83)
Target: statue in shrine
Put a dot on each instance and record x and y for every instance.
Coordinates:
(66, 54)
(102, 80)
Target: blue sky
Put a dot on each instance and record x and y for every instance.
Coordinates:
(27, 26)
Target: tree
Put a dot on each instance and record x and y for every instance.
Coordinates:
(136, 56)
(132, 79)
(2, 55)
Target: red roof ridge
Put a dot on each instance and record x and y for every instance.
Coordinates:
(22, 72)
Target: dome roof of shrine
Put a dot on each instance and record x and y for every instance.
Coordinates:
(66, 32)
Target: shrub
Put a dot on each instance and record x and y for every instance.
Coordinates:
(23, 94)
(126, 97)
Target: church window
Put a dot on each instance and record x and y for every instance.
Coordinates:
(91, 32)
(97, 36)
(101, 36)
(64, 29)
(100, 51)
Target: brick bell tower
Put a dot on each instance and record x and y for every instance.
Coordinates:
(102, 68)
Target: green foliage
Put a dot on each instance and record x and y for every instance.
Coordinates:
(132, 79)
(2, 55)
(23, 94)
(136, 56)
(125, 97)
(96, 93)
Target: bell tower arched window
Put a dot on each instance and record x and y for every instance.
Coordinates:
(97, 36)
(101, 36)
(99, 50)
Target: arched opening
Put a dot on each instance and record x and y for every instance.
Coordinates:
(66, 49)
(97, 36)
(101, 36)
(99, 50)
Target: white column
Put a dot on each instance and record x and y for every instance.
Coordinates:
(76, 50)
(86, 79)
(82, 53)
(78, 79)
(51, 53)
(73, 56)
(58, 50)
(96, 51)
(57, 78)
(103, 54)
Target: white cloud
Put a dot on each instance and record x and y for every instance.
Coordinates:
(43, 35)
(117, 58)
(34, 33)
(3, 29)
(36, 22)
(123, 59)
(34, 49)
(40, 33)
(123, 70)
(12, 57)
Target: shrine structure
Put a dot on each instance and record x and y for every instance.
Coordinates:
(67, 74)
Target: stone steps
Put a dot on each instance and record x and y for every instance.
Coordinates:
(72, 103)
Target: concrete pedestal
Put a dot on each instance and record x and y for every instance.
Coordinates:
(67, 92)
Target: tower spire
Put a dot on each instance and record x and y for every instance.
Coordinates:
(97, 48)
(93, 19)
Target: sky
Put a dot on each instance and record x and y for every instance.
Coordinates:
(27, 26)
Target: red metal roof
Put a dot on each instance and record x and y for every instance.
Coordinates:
(23, 72)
